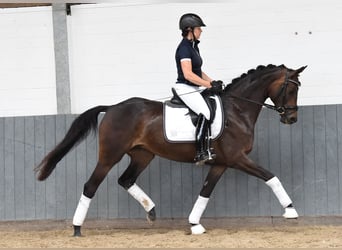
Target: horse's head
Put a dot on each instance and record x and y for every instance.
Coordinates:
(283, 92)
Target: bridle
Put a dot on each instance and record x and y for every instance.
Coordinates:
(282, 94)
(282, 109)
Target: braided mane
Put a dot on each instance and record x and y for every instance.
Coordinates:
(257, 71)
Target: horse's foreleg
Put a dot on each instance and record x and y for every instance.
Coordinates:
(284, 199)
(273, 182)
(200, 205)
(140, 158)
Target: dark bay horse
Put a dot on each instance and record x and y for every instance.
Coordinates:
(135, 127)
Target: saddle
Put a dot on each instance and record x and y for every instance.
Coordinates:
(176, 102)
(180, 121)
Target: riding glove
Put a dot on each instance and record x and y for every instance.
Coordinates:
(217, 87)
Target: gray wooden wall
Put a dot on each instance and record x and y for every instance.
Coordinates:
(305, 156)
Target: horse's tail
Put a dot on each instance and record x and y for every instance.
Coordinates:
(78, 130)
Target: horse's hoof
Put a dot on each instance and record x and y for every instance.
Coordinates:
(77, 231)
(151, 215)
(290, 213)
(197, 229)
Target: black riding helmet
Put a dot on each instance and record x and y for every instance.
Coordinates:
(190, 20)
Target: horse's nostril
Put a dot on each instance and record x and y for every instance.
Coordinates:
(293, 119)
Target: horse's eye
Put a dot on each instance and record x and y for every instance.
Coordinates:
(292, 92)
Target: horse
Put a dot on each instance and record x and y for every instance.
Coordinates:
(135, 127)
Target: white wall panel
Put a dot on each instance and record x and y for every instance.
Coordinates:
(127, 49)
(27, 68)
(123, 50)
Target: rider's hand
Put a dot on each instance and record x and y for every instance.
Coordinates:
(217, 87)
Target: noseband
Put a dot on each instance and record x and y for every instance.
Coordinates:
(282, 94)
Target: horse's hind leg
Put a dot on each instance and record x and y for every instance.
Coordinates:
(140, 159)
(104, 165)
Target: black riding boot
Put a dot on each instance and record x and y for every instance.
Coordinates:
(203, 153)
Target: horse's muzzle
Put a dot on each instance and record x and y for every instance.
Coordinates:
(288, 119)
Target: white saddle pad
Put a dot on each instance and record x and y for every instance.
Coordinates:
(179, 128)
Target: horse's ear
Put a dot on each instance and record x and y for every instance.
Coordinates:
(300, 70)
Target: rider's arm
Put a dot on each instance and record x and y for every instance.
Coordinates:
(192, 77)
(206, 77)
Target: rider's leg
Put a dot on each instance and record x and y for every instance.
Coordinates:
(202, 146)
(191, 96)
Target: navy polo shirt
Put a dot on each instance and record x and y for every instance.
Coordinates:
(188, 49)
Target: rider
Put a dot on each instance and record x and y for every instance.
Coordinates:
(192, 81)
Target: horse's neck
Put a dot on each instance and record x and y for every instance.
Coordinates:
(256, 92)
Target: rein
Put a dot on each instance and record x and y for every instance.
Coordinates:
(280, 109)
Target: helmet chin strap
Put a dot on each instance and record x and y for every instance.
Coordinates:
(193, 36)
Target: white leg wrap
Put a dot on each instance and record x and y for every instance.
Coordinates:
(198, 209)
(290, 213)
(81, 210)
(279, 191)
(197, 229)
(141, 197)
